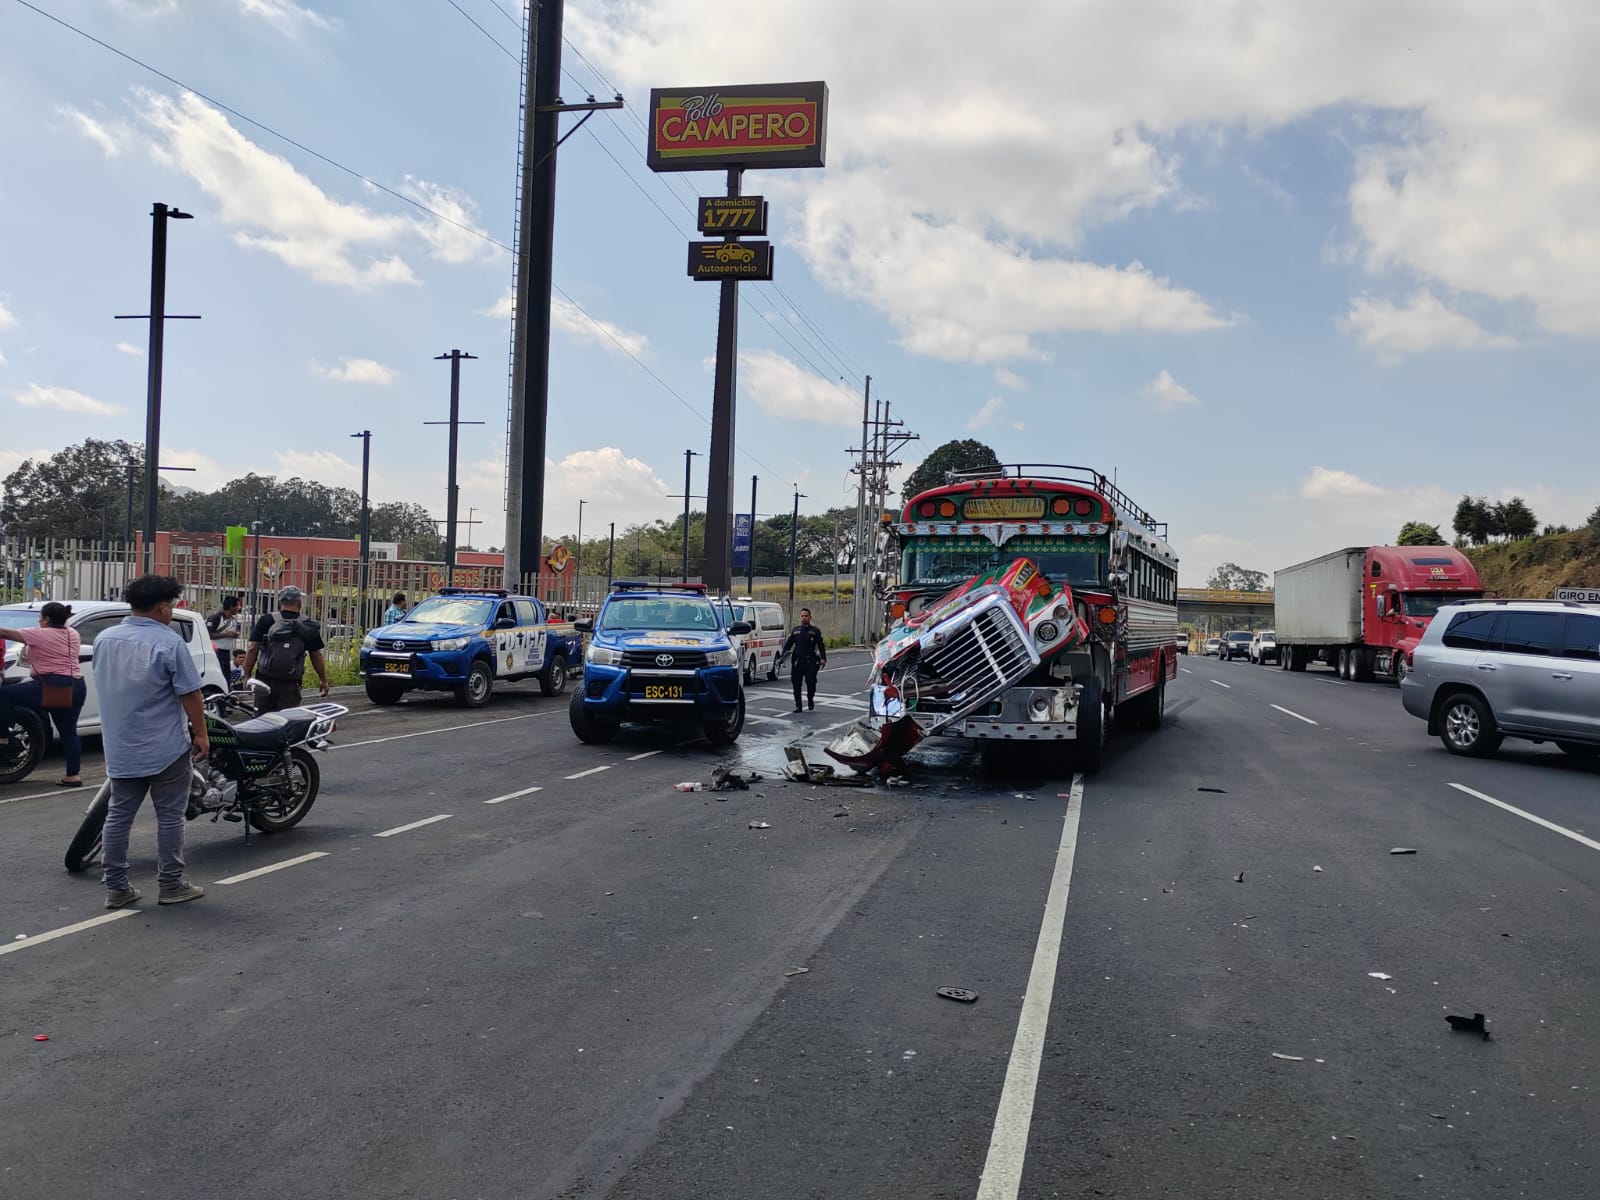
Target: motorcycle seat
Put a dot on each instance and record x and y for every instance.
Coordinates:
(274, 729)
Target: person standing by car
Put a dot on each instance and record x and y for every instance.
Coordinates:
(279, 646)
(152, 721)
(57, 687)
(397, 609)
(809, 655)
(225, 626)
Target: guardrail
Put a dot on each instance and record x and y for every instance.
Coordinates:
(1219, 596)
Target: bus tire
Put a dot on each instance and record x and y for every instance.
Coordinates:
(1089, 749)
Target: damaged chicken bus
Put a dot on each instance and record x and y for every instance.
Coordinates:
(1033, 603)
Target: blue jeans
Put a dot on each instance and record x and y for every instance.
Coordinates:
(30, 693)
(169, 796)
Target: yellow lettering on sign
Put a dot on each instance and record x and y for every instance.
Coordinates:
(1004, 506)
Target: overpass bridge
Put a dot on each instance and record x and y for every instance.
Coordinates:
(1194, 603)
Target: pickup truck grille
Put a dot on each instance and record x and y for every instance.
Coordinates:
(403, 645)
(681, 660)
(980, 652)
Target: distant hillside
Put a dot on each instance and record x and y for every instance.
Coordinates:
(1537, 566)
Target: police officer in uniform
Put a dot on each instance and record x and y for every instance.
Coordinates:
(808, 654)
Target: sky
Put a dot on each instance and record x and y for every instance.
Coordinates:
(1296, 272)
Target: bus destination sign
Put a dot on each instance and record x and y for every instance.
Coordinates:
(742, 215)
(744, 125)
(730, 260)
(1003, 507)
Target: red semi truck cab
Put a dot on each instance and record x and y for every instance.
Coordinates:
(1405, 587)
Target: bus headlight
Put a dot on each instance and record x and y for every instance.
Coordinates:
(1048, 631)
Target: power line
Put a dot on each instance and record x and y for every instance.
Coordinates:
(504, 49)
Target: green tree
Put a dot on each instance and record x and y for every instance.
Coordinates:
(1513, 519)
(1593, 524)
(1419, 533)
(1474, 519)
(1230, 577)
(65, 495)
(967, 454)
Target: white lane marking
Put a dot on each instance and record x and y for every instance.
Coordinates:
(400, 737)
(1335, 682)
(1528, 816)
(646, 754)
(36, 939)
(1220, 684)
(1295, 715)
(527, 791)
(89, 785)
(590, 771)
(414, 825)
(1002, 1170)
(1186, 670)
(259, 871)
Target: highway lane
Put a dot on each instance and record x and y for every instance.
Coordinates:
(461, 1009)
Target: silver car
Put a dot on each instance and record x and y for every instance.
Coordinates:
(1487, 670)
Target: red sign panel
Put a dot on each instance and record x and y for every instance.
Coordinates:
(747, 125)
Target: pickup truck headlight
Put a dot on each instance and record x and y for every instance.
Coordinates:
(602, 656)
(368, 642)
(722, 658)
(455, 643)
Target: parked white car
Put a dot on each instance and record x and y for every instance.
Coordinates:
(91, 618)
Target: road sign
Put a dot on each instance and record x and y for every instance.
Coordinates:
(1581, 595)
(730, 260)
(743, 215)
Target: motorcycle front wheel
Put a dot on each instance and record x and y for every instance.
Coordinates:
(24, 746)
(84, 850)
(278, 803)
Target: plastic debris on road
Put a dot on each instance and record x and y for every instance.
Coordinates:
(1239, 878)
(1218, 791)
(1378, 975)
(689, 785)
(961, 995)
(1318, 870)
(1402, 850)
(41, 1037)
(759, 825)
(1288, 1057)
(1473, 1024)
(797, 971)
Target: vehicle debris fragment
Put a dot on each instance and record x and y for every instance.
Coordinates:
(1473, 1024)
(961, 995)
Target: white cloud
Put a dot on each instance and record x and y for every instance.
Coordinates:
(276, 208)
(358, 370)
(2, 360)
(63, 400)
(1009, 379)
(459, 239)
(1167, 394)
(7, 321)
(148, 8)
(321, 466)
(130, 349)
(1422, 322)
(1324, 483)
(570, 319)
(204, 474)
(287, 17)
(94, 129)
(991, 409)
(790, 393)
(618, 487)
(1476, 149)
(502, 309)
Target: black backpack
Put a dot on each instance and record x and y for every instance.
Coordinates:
(283, 652)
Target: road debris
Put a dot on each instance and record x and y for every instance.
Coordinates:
(1402, 850)
(1218, 791)
(960, 995)
(1318, 870)
(689, 785)
(726, 779)
(797, 768)
(1239, 878)
(1288, 1057)
(759, 825)
(41, 1037)
(1378, 975)
(1472, 1024)
(797, 971)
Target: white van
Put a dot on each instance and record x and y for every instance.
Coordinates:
(759, 648)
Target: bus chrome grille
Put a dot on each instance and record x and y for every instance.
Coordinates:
(975, 655)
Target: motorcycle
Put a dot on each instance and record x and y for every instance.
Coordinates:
(260, 772)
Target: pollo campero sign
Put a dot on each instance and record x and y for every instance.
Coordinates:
(743, 125)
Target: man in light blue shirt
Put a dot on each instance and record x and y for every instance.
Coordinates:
(149, 691)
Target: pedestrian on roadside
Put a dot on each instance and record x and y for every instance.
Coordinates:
(57, 686)
(397, 609)
(279, 646)
(808, 654)
(152, 722)
(236, 671)
(225, 625)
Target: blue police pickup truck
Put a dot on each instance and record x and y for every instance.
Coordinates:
(660, 653)
(463, 641)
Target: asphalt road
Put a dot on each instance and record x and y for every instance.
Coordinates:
(594, 989)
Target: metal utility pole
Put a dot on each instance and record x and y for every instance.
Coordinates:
(794, 541)
(857, 611)
(127, 522)
(611, 557)
(688, 456)
(366, 524)
(530, 329)
(750, 563)
(160, 214)
(451, 492)
(577, 551)
(717, 570)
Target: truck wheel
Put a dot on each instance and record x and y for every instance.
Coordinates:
(384, 694)
(591, 730)
(1361, 665)
(1090, 748)
(1341, 666)
(553, 679)
(474, 693)
(724, 731)
(1467, 726)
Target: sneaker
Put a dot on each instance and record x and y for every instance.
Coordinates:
(123, 897)
(797, 708)
(180, 893)
(813, 705)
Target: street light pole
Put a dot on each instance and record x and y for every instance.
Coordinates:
(577, 552)
(750, 562)
(366, 524)
(794, 540)
(611, 557)
(688, 456)
(455, 422)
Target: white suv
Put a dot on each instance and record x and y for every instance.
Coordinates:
(1491, 669)
(91, 618)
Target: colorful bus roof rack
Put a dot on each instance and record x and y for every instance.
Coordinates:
(1083, 476)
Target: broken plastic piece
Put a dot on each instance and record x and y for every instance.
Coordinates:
(797, 971)
(1218, 791)
(759, 825)
(1317, 869)
(1472, 1024)
(1402, 850)
(689, 785)
(1288, 1057)
(962, 995)
(1378, 975)
(1239, 878)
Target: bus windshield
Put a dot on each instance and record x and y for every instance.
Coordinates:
(946, 562)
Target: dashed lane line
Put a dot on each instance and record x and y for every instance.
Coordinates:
(590, 771)
(527, 791)
(1220, 684)
(1526, 816)
(400, 737)
(1293, 714)
(646, 754)
(1186, 670)
(268, 870)
(1002, 1170)
(40, 938)
(414, 825)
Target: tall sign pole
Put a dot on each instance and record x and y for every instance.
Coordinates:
(452, 493)
(366, 525)
(750, 563)
(732, 129)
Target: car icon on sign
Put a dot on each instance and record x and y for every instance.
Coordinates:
(732, 252)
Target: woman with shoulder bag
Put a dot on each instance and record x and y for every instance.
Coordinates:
(57, 686)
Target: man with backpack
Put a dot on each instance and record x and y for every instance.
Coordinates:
(279, 646)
